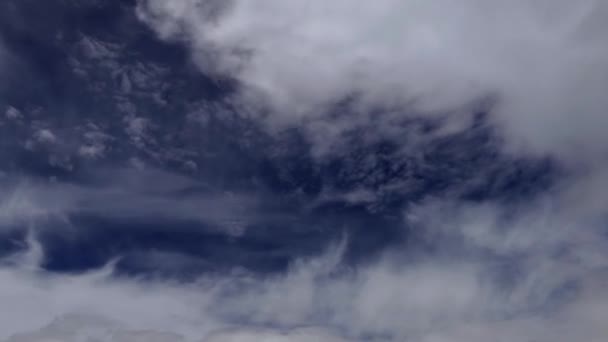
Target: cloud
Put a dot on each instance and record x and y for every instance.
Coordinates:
(543, 65)
(145, 195)
(474, 272)
(72, 308)
(45, 136)
(492, 272)
(12, 113)
(429, 300)
(297, 335)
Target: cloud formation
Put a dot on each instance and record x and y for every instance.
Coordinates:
(556, 292)
(128, 195)
(543, 65)
(470, 271)
(491, 272)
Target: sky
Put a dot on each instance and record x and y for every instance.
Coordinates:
(230, 171)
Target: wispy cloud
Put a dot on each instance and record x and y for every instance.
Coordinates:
(127, 194)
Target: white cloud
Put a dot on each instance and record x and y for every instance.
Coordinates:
(144, 195)
(89, 306)
(553, 247)
(553, 289)
(92, 151)
(389, 300)
(95, 49)
(545, 62)
(95, 143)
(45, 136)
(12, 113)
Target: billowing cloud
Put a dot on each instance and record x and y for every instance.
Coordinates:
(543, 65)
